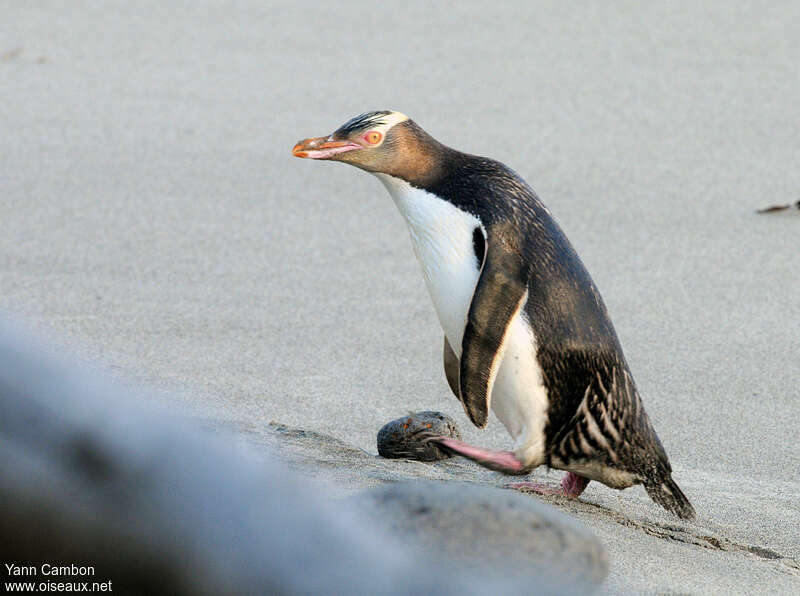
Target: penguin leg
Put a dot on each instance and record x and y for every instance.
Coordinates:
(572, 486)
(500, 461)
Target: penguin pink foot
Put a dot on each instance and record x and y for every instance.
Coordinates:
(500, 461)
(572, 486)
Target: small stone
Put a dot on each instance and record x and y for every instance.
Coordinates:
(404, 437)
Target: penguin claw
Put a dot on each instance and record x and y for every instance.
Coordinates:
(426, 436)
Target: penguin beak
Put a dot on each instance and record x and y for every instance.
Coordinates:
(322, 148)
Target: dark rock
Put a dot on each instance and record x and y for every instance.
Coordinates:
(487, 529)
(402, 438)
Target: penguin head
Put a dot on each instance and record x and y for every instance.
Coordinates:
(383, 141)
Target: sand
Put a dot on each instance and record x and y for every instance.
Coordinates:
(154, 221)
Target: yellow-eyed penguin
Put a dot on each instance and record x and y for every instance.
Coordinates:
(526, 331)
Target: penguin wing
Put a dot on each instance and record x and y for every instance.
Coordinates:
(501, 291)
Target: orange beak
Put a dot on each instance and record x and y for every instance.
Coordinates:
(322, 148)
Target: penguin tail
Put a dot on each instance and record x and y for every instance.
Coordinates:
(667, 494)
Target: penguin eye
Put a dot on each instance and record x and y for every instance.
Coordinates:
(373, 137)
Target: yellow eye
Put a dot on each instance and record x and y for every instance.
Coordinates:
(373, 137)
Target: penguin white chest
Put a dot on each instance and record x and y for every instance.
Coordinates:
(441, 235)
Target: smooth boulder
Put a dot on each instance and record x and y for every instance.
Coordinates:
(492, 531)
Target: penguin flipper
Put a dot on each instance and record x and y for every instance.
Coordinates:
(500, 293)
(451, 368)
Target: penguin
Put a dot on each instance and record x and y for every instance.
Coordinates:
(526, 332)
